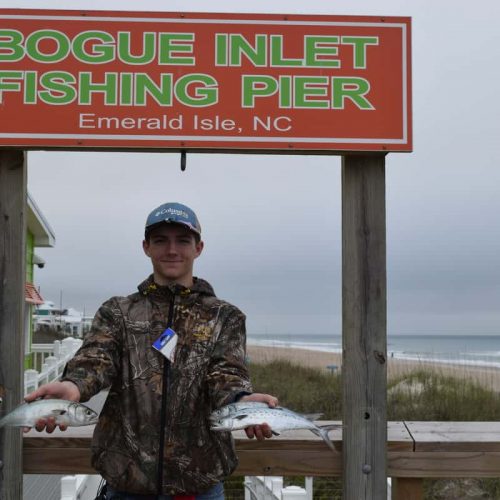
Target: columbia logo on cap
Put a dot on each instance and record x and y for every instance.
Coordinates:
(174, 213)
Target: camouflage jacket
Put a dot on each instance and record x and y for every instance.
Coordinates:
(208, 371)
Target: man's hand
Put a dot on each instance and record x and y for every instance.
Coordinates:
(260, 431)
(54, 390)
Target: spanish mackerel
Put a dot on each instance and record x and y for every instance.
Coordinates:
(233, 408)
(279, 420)
(68, 413)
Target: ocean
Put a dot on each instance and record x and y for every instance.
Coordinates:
(476, 350)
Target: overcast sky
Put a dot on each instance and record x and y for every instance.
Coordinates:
(272, 225)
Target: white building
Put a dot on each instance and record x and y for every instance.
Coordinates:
(67, 321)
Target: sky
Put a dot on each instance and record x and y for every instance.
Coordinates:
(272, 224)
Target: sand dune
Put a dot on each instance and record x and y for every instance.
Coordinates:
(488, 377)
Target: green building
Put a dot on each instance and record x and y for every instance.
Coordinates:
(39, 234)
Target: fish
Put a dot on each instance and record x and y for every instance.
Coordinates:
(68, 413)
(232, 408)
(279, 420)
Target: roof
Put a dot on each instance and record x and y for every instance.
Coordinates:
(38, 225)
(32, 295)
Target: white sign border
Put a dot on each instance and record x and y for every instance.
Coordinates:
(167, 138)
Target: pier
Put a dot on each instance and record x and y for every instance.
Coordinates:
(415, 450)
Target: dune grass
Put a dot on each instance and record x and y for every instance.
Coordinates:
(420, 395)
(302, 389)
(430, 395)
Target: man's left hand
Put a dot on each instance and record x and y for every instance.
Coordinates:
(260, 431)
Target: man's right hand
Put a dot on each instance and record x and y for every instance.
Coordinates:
(54, 390)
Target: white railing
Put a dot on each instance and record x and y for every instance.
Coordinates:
(80, 487)
(271, 488)
(53, 359)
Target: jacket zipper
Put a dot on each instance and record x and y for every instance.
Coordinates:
(163, 414)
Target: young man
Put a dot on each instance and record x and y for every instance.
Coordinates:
(153, 438)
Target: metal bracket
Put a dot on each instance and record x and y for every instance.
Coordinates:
(183, 161)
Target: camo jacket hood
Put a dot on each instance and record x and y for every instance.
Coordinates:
(208, 372)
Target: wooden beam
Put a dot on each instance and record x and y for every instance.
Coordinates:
(292, 453)
(12, 278)
(444, 464)
(298, 453)
(364, 367)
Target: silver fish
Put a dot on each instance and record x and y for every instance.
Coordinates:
(278, 419)
(232, 408)
(65, 412)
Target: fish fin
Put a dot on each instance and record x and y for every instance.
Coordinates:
(322, 432)
(56, 413)
(311, 416)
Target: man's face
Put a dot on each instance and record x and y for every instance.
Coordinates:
(172, 249)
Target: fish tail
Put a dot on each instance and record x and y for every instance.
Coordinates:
(323, 431)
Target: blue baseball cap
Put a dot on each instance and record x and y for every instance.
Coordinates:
(173, 213)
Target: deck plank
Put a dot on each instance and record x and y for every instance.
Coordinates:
(455, 436)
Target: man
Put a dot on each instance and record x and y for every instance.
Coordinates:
(153, 438)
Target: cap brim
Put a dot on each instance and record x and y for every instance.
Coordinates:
(169, 221)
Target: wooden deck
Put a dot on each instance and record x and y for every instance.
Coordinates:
(415, 450)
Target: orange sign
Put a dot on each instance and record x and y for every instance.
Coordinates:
(128, 80)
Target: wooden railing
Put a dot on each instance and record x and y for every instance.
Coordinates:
(415, 450)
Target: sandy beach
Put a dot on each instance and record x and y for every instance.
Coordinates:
(488, 377)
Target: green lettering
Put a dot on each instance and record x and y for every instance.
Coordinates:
(354, 89)
(256, 53)
(126, 94)
(205, 94)
(257, 86)
(59, 54)
(306, 86)
(59, 88)
(30, 84)
(277, 58)
(10, 45)
(317, 46)
(145, 86)
(148, 48)
(6, 86)
(108, 88)
(359, 43)
(221, 49)
(102, 50)
(170, 43)
(285, 91)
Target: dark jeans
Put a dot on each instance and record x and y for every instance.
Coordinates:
(215, 493)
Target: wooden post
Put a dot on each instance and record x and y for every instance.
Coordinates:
(407, 488)
(13, 178)
(364, 328)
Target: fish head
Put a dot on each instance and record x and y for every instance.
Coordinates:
(82, 415)
(223, 424)
(219, 414)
